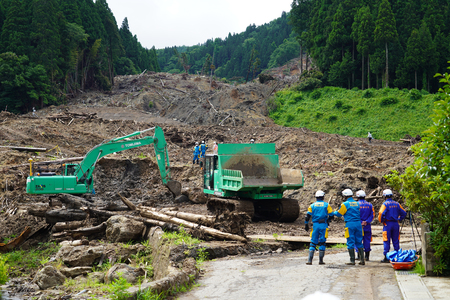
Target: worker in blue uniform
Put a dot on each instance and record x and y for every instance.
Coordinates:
(367, 215)
(203, 148)
(391, 212)
(196, 153)
(320, 212)
(353, 229)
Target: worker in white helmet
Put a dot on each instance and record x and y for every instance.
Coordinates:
(203, 148)
(391, 212)
(353, 229)
(252, 141)
(367, 215)
(320, 212)
(196, 153)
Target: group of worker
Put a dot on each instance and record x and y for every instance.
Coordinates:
(358, 216)
(200, 150)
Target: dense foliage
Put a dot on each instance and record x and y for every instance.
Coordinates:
(375, 43)
(425, 185)
(387, 113)
(241, 55)
(53, 48)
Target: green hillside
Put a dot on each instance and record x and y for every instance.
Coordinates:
(387, 113)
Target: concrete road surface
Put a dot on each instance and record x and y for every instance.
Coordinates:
(286, 276)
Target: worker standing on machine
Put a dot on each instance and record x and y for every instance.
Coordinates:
(320, 212)
(196, 153)
(203, 148)
(215, 148)
(391, 212)
(353, 229)
(367, 215)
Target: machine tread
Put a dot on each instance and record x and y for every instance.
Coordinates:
(290, 210)
(218, 205)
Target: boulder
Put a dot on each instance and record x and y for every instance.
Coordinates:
(74, 272)
(79, 255)
(123, 270)
(123, 229)
(48, 277)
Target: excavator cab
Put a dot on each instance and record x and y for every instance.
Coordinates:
(209, 167)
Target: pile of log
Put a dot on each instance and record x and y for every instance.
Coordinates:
(68, 117)
(71, 214)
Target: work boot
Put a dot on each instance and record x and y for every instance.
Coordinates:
(385, 260)
(357, 255)
(310, 257)
(351, 252)
(321, 255)
(367, 255)
(361, 254)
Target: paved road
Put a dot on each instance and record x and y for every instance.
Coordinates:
(286, 276)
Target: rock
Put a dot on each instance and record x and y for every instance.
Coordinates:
(97, 277)
(181, 199)
(123, 270)
(279, 250)
(79, 255)
(122, 229)
(74, 272)
(48, 277)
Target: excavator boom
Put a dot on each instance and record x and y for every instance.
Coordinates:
(77, 178)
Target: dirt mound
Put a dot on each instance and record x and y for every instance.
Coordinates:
(189, 108)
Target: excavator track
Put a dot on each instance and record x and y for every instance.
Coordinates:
(281, 210)
(218, 205)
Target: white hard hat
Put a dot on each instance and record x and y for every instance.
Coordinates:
(252, 140)
(203, 142)
(196, 143)
(347, 192)
(214, 142)
(360, 194)
(319, 193)
(387, 192)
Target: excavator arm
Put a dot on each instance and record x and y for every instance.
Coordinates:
(77, 178)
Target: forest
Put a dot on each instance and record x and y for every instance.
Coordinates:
(239, 57)
(52, 49)
(375, 43)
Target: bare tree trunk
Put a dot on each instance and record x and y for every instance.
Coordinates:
(415, 79)
(301, 59)
(211, 231)
(362, 71)
(368, 71)
(387, 67)
(209, 220)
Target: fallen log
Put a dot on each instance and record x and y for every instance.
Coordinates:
(38, 210)
(88, 231)
(127, 202)
(63, 226)
(29, 149)
(213, 232)
(15, 242)
(64, 215)
(101, 213)
(208, 220)
(72, 201)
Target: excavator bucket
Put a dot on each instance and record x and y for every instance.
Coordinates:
(292, 176)
(174, 186)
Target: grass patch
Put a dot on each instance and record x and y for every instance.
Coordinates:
(419, 268)
(339, 246)
(340, 111)
(4, 274)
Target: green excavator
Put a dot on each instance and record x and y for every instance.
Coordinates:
(71, 178)
(248, 178)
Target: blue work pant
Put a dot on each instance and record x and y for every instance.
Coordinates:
(195, 158)
(354, 235)
(391, 232)
(318, 236)
(367, 238)
(203, 154)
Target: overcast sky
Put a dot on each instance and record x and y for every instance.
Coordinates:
(167, 23)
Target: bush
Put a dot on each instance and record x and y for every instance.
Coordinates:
(361, 111)
(338, 104)
(272, 104)
(150, 104)
(263, 78)
(346, 107)
(332, 118)
(368, 94)
(414, 95)
(3, 270)
(290, 118)
(319, 115)
(316, 95)
(309, 84)
(297, 97)
(300, 109)
(388, 101)
(355, 89)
